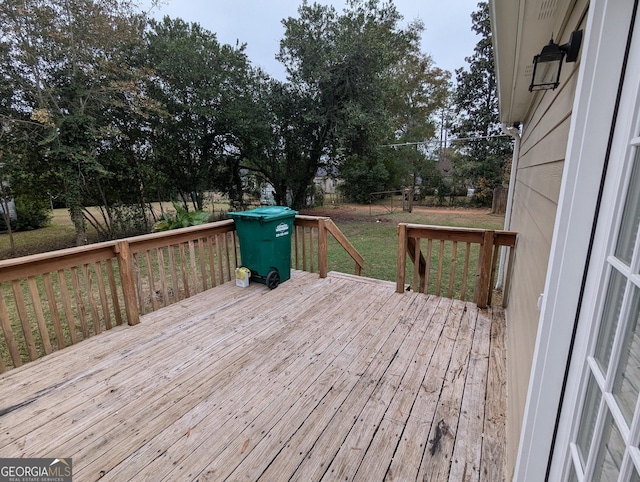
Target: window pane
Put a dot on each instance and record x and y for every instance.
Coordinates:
(610, 315)
(610, 453)
(630, 215)
(627, 382)
(572, 474)
(588, 419)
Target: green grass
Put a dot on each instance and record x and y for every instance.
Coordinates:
(376, 238)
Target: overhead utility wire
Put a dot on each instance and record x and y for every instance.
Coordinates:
(449, 141)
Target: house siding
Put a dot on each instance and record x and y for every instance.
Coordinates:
(535, 201)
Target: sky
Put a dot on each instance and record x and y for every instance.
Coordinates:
(447, 37)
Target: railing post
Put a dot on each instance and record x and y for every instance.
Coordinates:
(128, 284)
(484, 270)
(402, 257)
(322, 248)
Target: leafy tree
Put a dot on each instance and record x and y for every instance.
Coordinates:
(276, 145)
(343, 65)
(199, 85)
(422, 91)
(482, 162)
(70, 63)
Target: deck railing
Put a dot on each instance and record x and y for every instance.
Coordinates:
(311, 233)
(52, 300)
(453, 262)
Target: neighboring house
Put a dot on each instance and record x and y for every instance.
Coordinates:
(267, 197)
(327, 184)
(573, 322)
(11, 205)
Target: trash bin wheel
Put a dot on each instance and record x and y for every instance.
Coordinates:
(273, 279)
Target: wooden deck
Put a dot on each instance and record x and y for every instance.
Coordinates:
(320, 379)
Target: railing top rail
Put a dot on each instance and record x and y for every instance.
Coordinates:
(308, 221)
(447, 233)
(36, 264)
(305, 217)
(176, 236)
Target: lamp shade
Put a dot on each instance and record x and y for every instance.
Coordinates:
(547, 66)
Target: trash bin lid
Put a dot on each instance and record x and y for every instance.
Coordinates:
(267, 213)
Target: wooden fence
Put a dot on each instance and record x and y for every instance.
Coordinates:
(52, 300)
(453, 262)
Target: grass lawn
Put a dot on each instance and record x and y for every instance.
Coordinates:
(376, 237)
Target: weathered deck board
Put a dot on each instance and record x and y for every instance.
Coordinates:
(321, 379)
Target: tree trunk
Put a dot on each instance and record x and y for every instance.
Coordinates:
(77, 218)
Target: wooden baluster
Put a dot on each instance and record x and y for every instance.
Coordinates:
(416, 266)
(12, 345)
(322, 249)
(452, 271)
(66, 303)
(53, 311)
(304, 249)
(95, 316)
(440, 263)
(138, 284)
(311, 256)
(82, 312)
(212, 264)
(174, 273)
(193, 266)
(492, 277)
(465, 273)
(39, 312)
(115, 301)
(234, 238)
(203, 264)
(152, 285)
(219, 253)
(402, 257)
(185, 274)
(24, 320)
(227, 256)
(102, 291)
(163, 277)
(297, 243)
(427, 268)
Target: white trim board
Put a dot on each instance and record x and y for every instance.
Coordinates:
(601, 61)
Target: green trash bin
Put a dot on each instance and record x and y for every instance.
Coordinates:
(265, 242)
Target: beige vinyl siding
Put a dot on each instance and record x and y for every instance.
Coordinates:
(536, 193)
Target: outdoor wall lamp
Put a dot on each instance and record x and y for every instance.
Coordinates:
(548, 63)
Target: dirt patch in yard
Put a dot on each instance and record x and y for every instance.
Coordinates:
(377, 213)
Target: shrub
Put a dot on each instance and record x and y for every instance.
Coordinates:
(181, 219)
(31, 212)
(125, 220)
